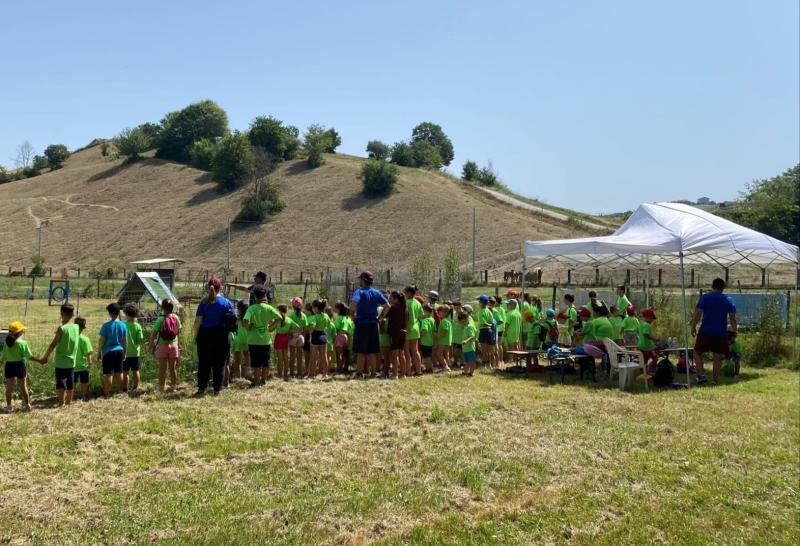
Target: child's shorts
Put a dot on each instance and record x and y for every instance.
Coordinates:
(318, 337)
(297, 340)
(65, 378)
(470, 356)
(16, 369)
(170, 350)
(131, 364)
(307, 344)
(340, 340)
(427, 351)
(260, 355)
(456, 346)
(281, 342)
(736, 358)
(112, 362)
(82, 377)
(630, 337)
(486, 336)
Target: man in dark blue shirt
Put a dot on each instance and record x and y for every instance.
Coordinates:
(716, 310)
(364, 307)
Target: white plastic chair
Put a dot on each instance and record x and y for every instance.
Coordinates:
(625, 361)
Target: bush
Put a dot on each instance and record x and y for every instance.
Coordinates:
(5, 176)
(56, 155)
(232, 161)
(39, 164)
(261, 202)
(402, 155)
(377, 149)
(153, 132)
(38, 266)
(426, 155)
(276, 139)
(469, 171)
(767, 347)
(334, 141)
(131, 143)
(201, 153)
(204, 119)
(316, 141)
(487, 177)
(378, 177)
(434, 134)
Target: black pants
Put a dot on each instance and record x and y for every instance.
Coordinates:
(213, 349)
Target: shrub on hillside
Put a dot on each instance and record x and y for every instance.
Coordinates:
(204, 119)
(131, 143)
(281, 141)
(39, 164)
(469, 171)
(5, 176)
(487, 177)
(261, 202)
(316, 141)
(433, 133)
(402, 155)
(378, 177)
(153, 132)
(377, 149)
(56, 155)
(201, 153)
(232, 161)
(334, 141)
(38, 266)
(426, 155)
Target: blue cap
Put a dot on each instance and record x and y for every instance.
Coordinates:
(483, 298)
(550, 312)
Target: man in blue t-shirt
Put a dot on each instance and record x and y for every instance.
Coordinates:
(364, 307)
(716, 310)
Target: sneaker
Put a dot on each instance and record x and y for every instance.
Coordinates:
(358, 376)
(199, 394)
(701, 379)
(215, 393)
(26, 408)
(9, 409)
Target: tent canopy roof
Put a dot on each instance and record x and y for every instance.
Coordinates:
(657, 233)
(154, 261)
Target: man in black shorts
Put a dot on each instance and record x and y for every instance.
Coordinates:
(716, 310)
(364, 306)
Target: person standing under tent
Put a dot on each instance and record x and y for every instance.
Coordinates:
(714, 311)
(622, 299)
(364, 306)
(211, 336)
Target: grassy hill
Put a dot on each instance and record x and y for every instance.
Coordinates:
(101, 212)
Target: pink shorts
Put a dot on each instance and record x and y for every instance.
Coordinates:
(168, 351)
(340, 340)
(281, 342)
(297, 340)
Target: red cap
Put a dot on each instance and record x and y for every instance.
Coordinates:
(584, 312)
(629, 310)
(649, 313)
(215, 282)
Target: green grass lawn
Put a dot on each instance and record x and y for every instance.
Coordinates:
(436, 460)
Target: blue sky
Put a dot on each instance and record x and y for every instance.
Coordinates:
(597, 106)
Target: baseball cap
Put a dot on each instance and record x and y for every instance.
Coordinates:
(433, 294)
(584, 312)
(16, 327)
(483, 298)
(550, 312)
(511, 302)
(215, 282)
(649, 313)
(366, 276)
(468, 308)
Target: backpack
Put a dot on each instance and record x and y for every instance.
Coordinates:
(664, 374)
(229, 322)
(169, 328)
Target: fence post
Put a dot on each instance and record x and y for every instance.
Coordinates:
(51, 272)
(691, 281)
(98, 287)
(739, 285)
(627, 277)
(569, 276)
(301, 277)
(597, 276)
(763, 276)
(33, 284)
(659, 276)
(388, 277)
(554, 297)
(280, 277)
(726, 276)
(79, 272)
(486, 276)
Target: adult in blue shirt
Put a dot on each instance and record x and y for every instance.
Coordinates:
(113, 346)
(211, 336)
(366, 337)
(716, 310)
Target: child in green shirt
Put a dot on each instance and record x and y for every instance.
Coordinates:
(647, 343)
(65, 345)
(342, 337)
(283, 328)
(426, 328)
(444, 337)
(135, 337)
(15, 353)
(83, 360)
(241, 354)
(616, 322)
(630, 327)
(468, 344)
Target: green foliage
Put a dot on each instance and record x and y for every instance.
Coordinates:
(334, 141)
(403, 155)
(5, 176)
(39, 164)
(378, 177)
(132, 143)
(269, 133)
(767, 348)
(316, 141)
(377, 149)
(487, 177)
(426, 155)
(261, 202)
(469, 171)
(771, 206)
(201, 153)
(204, 119)
(232, 161)
(56, 155)
(38, 266)
(422, 270)
(452, 270)
(434, 134)
(153, 132)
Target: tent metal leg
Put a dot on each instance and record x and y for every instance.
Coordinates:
(685, 325)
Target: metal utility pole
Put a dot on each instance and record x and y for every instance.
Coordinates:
(474, 236)
(229, 248)
(40, 227)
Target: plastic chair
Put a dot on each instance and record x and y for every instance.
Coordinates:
(625, 361)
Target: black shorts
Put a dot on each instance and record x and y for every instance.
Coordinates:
(427, 351)
(260, 355)
(112, 362)
(707, 343)
(318, 337)
(486, 336)
(499, 335)
(82, 377)
(397, 342)
(131, 364)
(16, 369)
(307, 343)
(65, 379)
(366, 338)
(456, 346)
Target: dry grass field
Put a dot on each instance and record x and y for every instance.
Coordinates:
(102, 211)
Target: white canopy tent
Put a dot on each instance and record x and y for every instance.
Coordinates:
(668, 233)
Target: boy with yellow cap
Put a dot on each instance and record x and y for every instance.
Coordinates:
(15, 352)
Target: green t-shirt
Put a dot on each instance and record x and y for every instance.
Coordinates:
(736, 345)
(299, 320)
(500, 316)
(485, 318)
(602, 328)
(645, 341)
(513, 320)
(135, 337)
(287, 326)
(616, 322)
(572, 314)
(259, 315)
(445, 337)
(588, 331)
(415, 315)
(320, 322)
(67, 348)
(550, 325)
(622, 303)
(342, 323)
(426, 328)
(458, 331)
(630, 324)
(469, 332)
(330, 334)
(383, 337)
(84, 350)
(19, 352)
(159, 324)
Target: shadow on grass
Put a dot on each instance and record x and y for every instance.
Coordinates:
(298, 167)
(358, 201)
(117, 169)
(204, 196)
